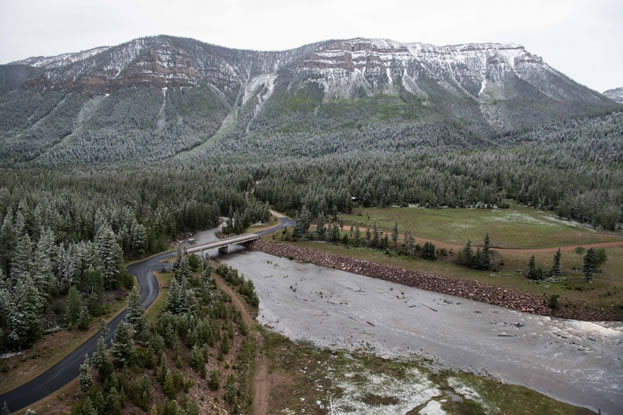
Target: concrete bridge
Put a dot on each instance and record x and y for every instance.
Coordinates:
(223, 244)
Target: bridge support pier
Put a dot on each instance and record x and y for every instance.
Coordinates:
(223, 249)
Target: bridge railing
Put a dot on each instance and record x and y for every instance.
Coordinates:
(225, 242)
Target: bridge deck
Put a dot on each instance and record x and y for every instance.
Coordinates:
(224, 242)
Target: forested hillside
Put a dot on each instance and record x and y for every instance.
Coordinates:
(163, 98)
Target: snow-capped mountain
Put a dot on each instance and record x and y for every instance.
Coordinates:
(615, 94)
(181, 97)
(339, 67)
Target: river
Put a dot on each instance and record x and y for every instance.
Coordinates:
(574, 361)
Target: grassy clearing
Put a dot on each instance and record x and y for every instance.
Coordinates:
(605, 291)
(305, 379)
(516, 227)
(49, 350)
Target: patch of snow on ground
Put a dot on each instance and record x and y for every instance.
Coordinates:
(520, 217)
(412, 391)
(432, 408)
(466, 391)
(569, 223)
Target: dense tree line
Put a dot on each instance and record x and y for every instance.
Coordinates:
(371, 237)
(574, 171)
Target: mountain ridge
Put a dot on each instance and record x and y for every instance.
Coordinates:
(163, 96)
(616, 94)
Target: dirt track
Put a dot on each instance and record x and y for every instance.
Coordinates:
(261, 383)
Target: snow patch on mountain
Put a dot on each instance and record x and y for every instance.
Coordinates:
(50, 62)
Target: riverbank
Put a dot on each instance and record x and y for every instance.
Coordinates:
(473, 290)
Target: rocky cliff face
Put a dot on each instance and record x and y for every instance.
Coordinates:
(181, 95)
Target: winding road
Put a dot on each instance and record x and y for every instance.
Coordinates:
(69, 367)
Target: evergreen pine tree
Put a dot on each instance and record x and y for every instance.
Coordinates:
(486, 253)
(87, 408)
(395, 234)
(533, 273)
(113, 402)
(145, 392)
(20, 267)
(5, 409)
(428, 252)
(135, 315)
(73, 306)
(163, 368)
(320, 229)
(84, 319)
(357, 234)
(122, 345)
(24, 324)
(590, 262)
(179, 254)
(183, 271)
(42, 267)
(20, 223)
(196, 358)
(556, 264)
(139, 238)
(109, 256)
(335, 232)
(477, 261)
(345, 239)
(409, 244)
(100, 356)
(8, 240)
(468, 254)
(86, 381)
(168, 388)
(368, 236)
(375, 236)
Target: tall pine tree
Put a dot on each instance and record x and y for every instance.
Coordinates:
(25, 322)
(556, 264)
(122, 347)
(86, 381)
(136, 316)
(486, 253)
(590, 264)
(109, 256)
(395, 234)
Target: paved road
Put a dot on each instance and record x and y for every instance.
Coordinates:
(68, 369)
